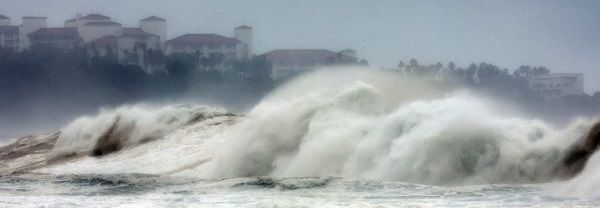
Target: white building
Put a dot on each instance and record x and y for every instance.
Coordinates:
(30, 25)
(9, 34)
(4, 20)
(129, 46)
(557, 85)
(290, 62)
(239, 47)
(155, 25)
(59, 37)
(245, 48)
(135, 37)
(94, 30)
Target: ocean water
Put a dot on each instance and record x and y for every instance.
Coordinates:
(364, 139)
(159, 191)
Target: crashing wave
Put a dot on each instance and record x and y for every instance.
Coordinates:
(124, 127)
(348, 124)
(354, 131)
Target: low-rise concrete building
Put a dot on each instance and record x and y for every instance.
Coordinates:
(557, 85)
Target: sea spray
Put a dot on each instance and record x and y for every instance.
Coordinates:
(131, 125)
(361, 125)
(354, 130)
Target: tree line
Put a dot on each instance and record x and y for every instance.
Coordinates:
(505, 84)
(75, 81)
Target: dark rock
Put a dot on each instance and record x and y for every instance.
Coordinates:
(577, 155)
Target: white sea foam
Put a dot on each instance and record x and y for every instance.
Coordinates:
(136, 124)
(352, 129)
(354, 124)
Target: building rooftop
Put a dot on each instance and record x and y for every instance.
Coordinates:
(202, 39)
(153, 18)
(300, 55)
(55, 32)
(95, 17)
(244, 27)
(103, 23)
(3, 17)
(90, 17)
(135, 32)
(557, 76)
(34, 17)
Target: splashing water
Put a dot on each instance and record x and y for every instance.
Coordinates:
(347, 125)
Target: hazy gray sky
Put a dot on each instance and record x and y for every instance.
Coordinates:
(562, 35)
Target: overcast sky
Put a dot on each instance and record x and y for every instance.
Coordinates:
(561, 35)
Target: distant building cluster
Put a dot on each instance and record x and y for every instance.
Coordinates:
(101, 35)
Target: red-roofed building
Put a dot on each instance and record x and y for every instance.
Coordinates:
(59, 37)
(289, 62)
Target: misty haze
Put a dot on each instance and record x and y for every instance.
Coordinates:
(299, 103)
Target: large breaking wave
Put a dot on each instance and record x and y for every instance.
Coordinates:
(354, 131)
(355, 124)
